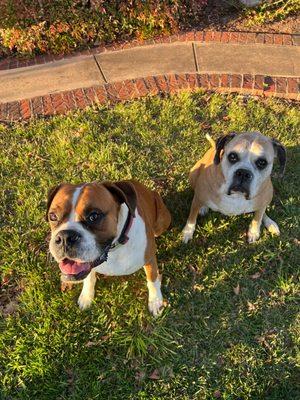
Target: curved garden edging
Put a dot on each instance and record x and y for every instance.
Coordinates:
(249, 63)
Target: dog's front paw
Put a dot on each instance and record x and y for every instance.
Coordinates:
(188, 232)
(156, 306)
(273, 228)
(253, 235)
(85, 301)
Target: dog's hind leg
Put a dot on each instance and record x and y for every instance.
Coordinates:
(271, 225)
(189, 229)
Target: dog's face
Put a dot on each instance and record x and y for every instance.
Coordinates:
(247, 161)
(83, 219)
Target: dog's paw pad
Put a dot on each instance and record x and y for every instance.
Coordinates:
(253, 236)
(84, 302)
(156, 306)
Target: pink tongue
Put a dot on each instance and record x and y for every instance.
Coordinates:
(71, 267)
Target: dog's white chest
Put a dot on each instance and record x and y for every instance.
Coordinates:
(128, 258)
(235, 204)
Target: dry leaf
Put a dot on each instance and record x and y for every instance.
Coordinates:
(154, 375)
(255, 276)
(140, 375)
(251, 306)
(237, 289)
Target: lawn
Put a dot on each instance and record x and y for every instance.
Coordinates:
(231, 328)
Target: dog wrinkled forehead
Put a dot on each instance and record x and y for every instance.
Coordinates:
(253, 142)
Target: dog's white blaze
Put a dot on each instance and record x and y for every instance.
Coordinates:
(73, 216)
(130, 257)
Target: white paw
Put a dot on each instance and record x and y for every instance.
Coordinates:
(188, 232)
(253, 235)
(156, 306)
(273, 228)
(85, 301)
(203, 211)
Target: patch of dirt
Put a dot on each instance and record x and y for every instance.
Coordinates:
(9, 293)
(224, 15)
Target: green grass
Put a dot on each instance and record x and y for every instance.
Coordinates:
(210, 342)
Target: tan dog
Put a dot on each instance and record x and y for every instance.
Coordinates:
(233, 178)
(109, 228)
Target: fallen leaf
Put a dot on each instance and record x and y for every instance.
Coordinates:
(251, 306)
(140, 375)
(296, 242)
(237, 289)
(255, 276)
(154, 375)
(217, 394)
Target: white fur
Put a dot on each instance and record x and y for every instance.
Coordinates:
(155, 302)
(188, 232)
(130, 257)
(235, 204)
(271, 225)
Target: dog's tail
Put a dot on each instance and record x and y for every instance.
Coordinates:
(211, 140)
(163, 216)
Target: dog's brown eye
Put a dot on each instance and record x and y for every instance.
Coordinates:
(52, 216)
(233, 158)
(94, 216)
(261, 163)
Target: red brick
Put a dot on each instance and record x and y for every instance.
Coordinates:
(79, 98)
(172, 83)
(292, 85)
(101, 94)
(58, 103)
(296, 40)
(165, 39)
(25, 107)
(192, 81)
(269, 84)
(151, 85)
(182, 37)
(122, 91)
(217, 36)
(287, 39)
(225, 37)
(236, 81)
(182, 82)
(48, 106)
(112, 94)
(260, 38)
(173, 38)
(13, 110)
(203, 80)
(37, 106)
(90, 95)
(209, 36)
(141, 87)
(199, 36)
(248, 81)
(162, 83)
(281, 85)
(14, 64)
(131, 89)
(259, 82)
(214, 80)
(190, 36)
(234, 37)
(69, 100)
(225, 80)
(251, 36)
(40, 60)
(278, 38)
(269, 38)
(242, 37)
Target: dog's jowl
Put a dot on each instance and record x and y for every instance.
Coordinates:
(233, 177)
(107, 228)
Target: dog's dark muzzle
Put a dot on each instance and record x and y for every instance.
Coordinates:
(241, 182)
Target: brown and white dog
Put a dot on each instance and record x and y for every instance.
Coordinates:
(109, 228)
(233, 177)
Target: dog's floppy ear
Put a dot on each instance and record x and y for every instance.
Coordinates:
(52, 192)
(280, 152)
(220, 144)
(124, 192)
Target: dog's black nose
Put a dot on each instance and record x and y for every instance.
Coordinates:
(67, 238)
(244, 175)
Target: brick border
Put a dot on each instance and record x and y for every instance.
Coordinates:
(61, 103)
(281, 39)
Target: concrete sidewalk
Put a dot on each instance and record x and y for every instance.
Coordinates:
(178, 57)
